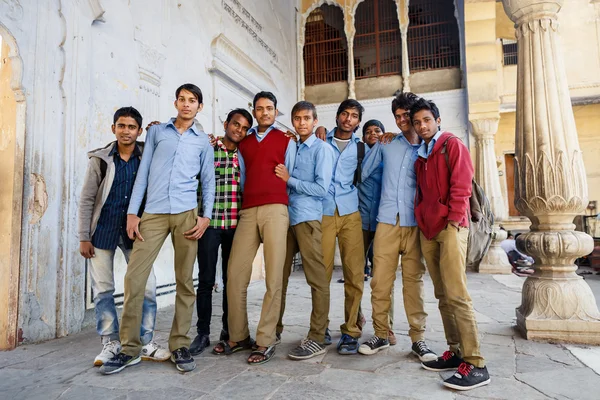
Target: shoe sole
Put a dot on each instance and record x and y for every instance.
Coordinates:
(135, 361)
(367, 351)
(154, 359)
(299, 358)
(427, 357)
(463, 388)
(347, 352)
(437, 369)
(181, 369)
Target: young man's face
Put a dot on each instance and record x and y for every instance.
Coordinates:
(425, 124)
(237, 128)
(264, 112)
(187, 105)
(304, 123)
(348, 120)
(372, 135)
(402, 118)
(126, 130)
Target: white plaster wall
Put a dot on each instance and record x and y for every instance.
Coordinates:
(83, 60)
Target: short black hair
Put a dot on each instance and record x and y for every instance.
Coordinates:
(244, 113)
(373, 122)
(404, 101)
(422, 104)
(350, 103)
(193, 89)
(128, 112)
(264, 95)
(304, 106)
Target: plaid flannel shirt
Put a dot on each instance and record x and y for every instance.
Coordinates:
(228, 192)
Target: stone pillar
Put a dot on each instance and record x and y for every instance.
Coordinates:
(486, 174)
(350, 31)
(300, 55)
(551, 187)
(403, 19)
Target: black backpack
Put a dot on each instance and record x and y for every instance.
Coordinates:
(482, 220)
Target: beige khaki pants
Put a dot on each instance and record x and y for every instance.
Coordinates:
(348, 230)
(446, 256)
(390, 242)
(155, 228)
(267, 224)
(306, 238)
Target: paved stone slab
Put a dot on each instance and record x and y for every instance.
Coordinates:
(583, 385)
(590, 356)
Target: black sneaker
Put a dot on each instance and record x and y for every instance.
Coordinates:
(118, 363)
(424, 353)
(307, 348)
(447, 362)
(468, 377)
(200, 343)
(183, 360)
(373, 345)
(327, 340)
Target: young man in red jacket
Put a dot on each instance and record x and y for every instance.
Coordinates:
(444, 173)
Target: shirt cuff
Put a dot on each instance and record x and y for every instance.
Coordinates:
(292, 182)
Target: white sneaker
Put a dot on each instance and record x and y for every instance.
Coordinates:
(110, 350)
(154, 352)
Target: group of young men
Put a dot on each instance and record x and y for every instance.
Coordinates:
(405, 195)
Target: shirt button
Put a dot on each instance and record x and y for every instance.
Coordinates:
(125, 196)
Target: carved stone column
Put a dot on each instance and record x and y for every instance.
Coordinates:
(403, 19)
(486, 174)
(350, 31)
(300, 55)
(551, 187)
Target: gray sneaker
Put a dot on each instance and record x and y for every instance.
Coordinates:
(118, 363)
(307, 348)
(183, 360)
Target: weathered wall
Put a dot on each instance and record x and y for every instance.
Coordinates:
(375, 88)
(83, 60)
(436, 80)
(335, 92)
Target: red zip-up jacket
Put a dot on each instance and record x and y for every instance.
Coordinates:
(443, 195)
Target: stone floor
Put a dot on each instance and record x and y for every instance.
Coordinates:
(62, 368)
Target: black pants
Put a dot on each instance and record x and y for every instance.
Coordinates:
(208, 252)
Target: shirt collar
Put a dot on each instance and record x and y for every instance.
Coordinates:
(192, 128)
(115, 150)
(331, 134)
(309, 142)
(222, 147)
(401, 136)
(426, 147)
(254, 130)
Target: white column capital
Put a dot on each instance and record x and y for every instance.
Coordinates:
(484, 128)
(522, 11)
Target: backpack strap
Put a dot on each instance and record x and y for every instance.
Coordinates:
(360, 153)
(103, 167)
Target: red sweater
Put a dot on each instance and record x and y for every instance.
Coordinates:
(442, 195)
(262, 186)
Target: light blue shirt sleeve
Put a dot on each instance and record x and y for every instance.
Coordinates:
(141, 180)
(371, 161)
(242, 170)
(207, 176)
(290, 156)
(323, 172)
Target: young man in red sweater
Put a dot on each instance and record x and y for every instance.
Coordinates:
(263, 219)
(444, 173)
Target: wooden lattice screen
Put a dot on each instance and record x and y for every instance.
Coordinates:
(325, 47)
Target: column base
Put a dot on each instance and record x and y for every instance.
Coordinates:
(495, 262)
(562, 310)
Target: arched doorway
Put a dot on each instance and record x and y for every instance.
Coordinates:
(12, 141)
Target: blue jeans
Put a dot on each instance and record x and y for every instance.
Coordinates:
(103, 288)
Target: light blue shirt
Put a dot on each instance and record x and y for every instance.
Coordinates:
(310, 180)
(290, 153)
(369, 193)
(399, 181)
(426, 149)
(169, 168)
(342, 193)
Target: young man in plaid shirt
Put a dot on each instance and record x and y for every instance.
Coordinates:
(222, 225)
